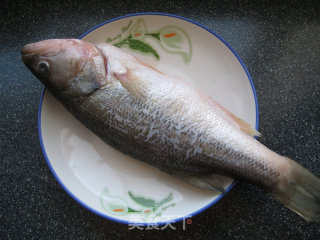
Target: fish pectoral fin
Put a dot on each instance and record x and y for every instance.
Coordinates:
(117, 68)
(136, 87)
(244, 126)
(214, 182)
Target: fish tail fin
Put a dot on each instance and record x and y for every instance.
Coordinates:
(302, 193)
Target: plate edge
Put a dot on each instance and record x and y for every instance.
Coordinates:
(144, 223)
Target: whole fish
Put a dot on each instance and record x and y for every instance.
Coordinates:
(165, 122)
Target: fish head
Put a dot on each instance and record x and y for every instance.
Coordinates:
(67, 67)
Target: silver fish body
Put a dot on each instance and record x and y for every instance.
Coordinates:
(175, 134)
(166, 122)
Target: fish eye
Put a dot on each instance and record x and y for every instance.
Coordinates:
(43, 67)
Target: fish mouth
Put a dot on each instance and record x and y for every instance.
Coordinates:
(43, 48)
(28, 53)
(28, 49)
(28, 59)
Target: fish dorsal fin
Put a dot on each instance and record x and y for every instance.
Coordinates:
(243, 125)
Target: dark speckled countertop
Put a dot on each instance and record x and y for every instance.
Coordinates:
(278, 42)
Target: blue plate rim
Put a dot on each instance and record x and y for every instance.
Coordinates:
(144, 223)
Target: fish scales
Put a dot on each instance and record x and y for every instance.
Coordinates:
(155, 134)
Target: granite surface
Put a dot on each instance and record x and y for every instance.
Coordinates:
(278, 42)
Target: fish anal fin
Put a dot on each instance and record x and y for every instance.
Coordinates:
(214, 182)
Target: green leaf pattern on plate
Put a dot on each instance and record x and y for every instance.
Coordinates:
(150, 203)
(149, 208)
(143, 47)
(135, 36)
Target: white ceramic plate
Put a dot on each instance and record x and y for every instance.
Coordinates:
(114, 185)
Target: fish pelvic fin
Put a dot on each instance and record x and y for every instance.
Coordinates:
(302, 193)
